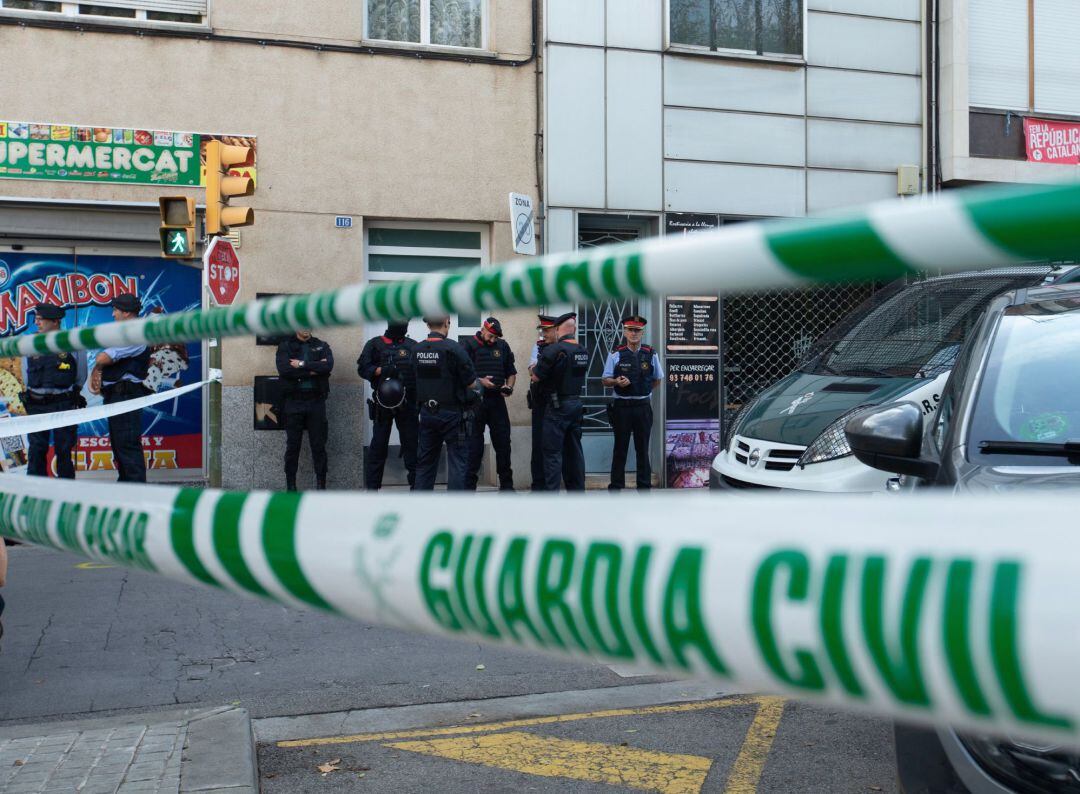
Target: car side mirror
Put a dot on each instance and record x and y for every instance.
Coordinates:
(889, 438)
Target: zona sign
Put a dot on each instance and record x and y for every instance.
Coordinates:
(222, 268)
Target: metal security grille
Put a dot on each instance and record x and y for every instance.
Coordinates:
(765, 334)
(598, 324)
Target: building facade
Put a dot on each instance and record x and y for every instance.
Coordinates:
(668, 116)
(388, 138)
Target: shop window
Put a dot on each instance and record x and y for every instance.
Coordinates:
(182, 12)
(441, 23)
(403, 250)
(761, 27)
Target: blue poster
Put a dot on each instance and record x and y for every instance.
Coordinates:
(172, 430)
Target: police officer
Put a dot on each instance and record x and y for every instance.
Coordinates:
(445, 380)
(53, 382)
(561, 373)
(495, 372)
(118, 375)
(304, 363)
(537, 400)
(633, 370)
(386, 362)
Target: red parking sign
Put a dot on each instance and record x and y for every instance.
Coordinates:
(222, 267)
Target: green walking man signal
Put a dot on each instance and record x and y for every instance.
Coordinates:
(177, 227)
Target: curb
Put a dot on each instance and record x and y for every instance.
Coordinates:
(219, 755)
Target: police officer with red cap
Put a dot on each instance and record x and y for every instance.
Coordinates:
(495, 372)
(386, 362)
(633, 370)
(561, 373)
(53, 382)
(537, 400)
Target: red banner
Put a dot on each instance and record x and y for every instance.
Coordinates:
(1052, 141)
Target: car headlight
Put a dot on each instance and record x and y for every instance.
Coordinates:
(1024, 767)
(740, 417)
(832, 443)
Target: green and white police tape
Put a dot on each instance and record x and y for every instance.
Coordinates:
(867, 604)
(959, 230)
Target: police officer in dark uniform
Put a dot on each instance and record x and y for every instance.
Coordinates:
(118, 375)
(305, 362)
(495, 372)
(445, 383)
(53, 382)
(386, 362)
(633, 370)
(561, 373)
(537, 401)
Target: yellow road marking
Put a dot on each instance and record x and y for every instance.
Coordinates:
(92, 566)
(667, 773)
(674, 708)
(746, 772)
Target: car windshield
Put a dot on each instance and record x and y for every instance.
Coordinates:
(914, 330)
(1029, 397)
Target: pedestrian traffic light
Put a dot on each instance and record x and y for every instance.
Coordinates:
(177, 227)
(221, 186)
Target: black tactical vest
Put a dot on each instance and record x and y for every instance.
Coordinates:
(51, 371)
(638, 368)
(395, 356)
(489, 360)
(435, 374)
(575, 366)
(134, 365)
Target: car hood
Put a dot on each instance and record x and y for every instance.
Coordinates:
(796, 409)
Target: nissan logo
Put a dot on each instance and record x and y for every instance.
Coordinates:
(755, 457)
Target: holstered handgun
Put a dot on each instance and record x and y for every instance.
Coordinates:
(372, 409)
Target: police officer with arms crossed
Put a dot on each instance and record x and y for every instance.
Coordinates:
(538, 401)
(445, 383)
(386, 362)
(633, 369)
(561, 373)
(495, 372)
(305, 362)
(118, 375)
(53, 382)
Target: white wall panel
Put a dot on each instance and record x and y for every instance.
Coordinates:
(998, 54)
(575, 126)
(634, 130)
(560, 233)
(1057, 56)
(728, 85)
(735, 189)
(863, 95)
(828, 190)
(894, 9)
(575, 21)
(878, 45)
(868, 147)
(635, 24)
(734, 137)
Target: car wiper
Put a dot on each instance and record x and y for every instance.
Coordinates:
(1069, 449)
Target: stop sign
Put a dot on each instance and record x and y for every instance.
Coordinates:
(222, 267)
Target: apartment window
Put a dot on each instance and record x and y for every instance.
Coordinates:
(762, 27)
(1024, 56)
(184, 12)
(398, 250)
(443, 23)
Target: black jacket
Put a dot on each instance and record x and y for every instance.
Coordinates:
(314, 376)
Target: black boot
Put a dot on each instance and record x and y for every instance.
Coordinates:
(290, 483)
(320, 484)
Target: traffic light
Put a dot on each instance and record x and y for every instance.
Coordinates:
(220, 186)
(177, 227)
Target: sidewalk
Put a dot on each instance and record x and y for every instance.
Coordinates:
(195, 750)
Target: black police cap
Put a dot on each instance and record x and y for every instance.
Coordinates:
(49, 311)
(493, 326)
(126, 302)
(562, 318)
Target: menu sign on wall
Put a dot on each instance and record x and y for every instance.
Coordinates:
(690, 222)
(693, 324)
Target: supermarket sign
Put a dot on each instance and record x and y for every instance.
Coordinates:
(74, 153)
(1052, 141)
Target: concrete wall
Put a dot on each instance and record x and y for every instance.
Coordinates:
(369, 136)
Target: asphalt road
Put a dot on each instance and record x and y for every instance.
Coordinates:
(84, 640)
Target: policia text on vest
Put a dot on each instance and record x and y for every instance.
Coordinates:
(53, 383)
(118, 375)
(445, 384)
(387, 362)
(633, 371)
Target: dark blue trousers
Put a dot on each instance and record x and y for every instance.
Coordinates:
(491, 413)
(64, 440)
(408, 429)
(564, 459)
(438, 428)
(631, 418)
(125, 437)
(537, 459)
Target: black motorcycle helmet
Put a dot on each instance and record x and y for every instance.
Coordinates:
(390, 394)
